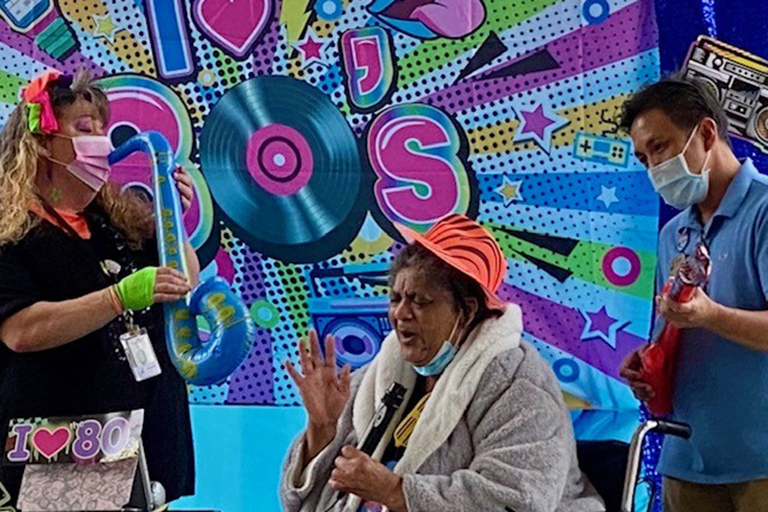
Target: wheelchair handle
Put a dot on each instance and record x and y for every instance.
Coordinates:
(636, 451)
(673, 428)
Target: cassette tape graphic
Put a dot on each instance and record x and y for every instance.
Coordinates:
(739, 80)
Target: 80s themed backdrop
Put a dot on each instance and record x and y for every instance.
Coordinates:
(310, 126)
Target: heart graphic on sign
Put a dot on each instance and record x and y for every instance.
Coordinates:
(233, 24)
(49, 443)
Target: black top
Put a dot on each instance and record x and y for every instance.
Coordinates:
(394, 453)
(90, 375)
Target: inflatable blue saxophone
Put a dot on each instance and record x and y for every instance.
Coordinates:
(232, 328)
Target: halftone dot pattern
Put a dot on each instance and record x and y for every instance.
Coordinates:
(430, 55)
(10, 88)
(291, 298)
(230, 72)
(252, 382)
(191, 94)
(331, 81)
(227, 73)
(575, 53)
(282, 56)
(284, 341)
(129, 49)
(573, 191)
(17, 69)
(80, 14)
(213, 395)
(248, 273)
(560, 195)
(26, 46)
(262, 57)
(132, 42)
(487, 142)
(351, 285)
(611, 229)
(608, 85)
(592, 206)
(324, 28)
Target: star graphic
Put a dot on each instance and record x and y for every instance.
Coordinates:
(311, 49)
(608, 196)
(600, 325)
(510, 190)
(538, 124)
(105, 27)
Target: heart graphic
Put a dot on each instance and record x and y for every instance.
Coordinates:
(49, 443)
(233, 24)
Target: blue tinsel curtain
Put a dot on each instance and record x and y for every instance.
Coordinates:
(741, 23)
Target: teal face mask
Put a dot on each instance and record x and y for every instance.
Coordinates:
(443, 357)
(440, 362)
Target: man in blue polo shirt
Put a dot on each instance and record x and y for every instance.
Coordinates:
(680, 133)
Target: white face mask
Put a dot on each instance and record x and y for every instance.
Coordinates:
(676, 184)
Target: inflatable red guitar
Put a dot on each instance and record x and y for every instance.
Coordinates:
(658, 358)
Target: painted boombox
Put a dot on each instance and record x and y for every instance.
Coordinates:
(739, 80)
(358, 324)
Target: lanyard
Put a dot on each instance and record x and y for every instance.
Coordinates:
(406, 427)
(63, 224)
(125, 264)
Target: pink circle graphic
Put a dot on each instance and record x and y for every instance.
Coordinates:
(634, 266)
(279, 159)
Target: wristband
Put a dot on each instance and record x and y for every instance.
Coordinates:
(136, 292)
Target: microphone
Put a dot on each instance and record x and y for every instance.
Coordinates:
(390, 403)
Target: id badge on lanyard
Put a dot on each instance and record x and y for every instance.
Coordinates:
(136, 343)
(140, 354)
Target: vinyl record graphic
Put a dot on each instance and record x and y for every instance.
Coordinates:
(283, 166)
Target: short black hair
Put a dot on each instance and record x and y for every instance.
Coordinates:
(686, 101)
(441, 274)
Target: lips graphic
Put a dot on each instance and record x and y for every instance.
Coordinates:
(429, 19)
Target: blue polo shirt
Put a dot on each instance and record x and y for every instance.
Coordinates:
(721, 388)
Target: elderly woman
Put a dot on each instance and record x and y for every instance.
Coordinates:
(483, 426)
(78, 263)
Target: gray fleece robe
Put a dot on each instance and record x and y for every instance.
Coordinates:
(495, 434)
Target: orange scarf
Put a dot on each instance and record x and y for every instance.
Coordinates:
(75, 221)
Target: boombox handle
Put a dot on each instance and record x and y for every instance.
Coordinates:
(371, 273)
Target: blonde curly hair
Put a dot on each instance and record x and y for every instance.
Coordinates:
(20, 151)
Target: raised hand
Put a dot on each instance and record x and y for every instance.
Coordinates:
(324, 390)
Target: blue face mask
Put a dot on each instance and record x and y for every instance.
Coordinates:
(443, 357)
(438, 363)
(676, 184)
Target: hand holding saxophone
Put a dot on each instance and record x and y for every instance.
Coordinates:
(232, 327)
(185, 187)
(148, 286)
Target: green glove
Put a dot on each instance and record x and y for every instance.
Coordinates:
(137, 290)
